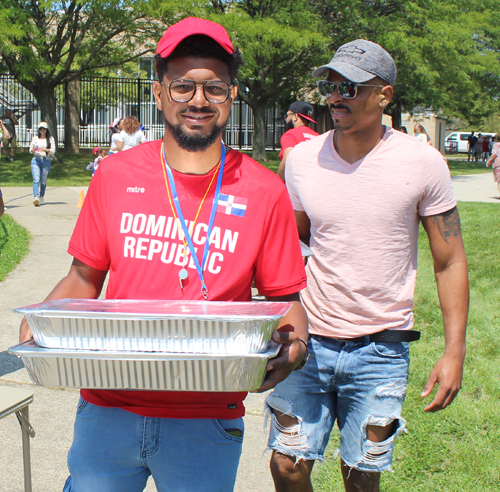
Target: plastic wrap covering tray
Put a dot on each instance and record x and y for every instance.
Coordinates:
(164, 326)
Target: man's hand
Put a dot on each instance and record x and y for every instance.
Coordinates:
(291, 354)
(292, 327)
(24, 332)
(447, 373)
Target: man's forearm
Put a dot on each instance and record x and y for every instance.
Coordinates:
(453, 291)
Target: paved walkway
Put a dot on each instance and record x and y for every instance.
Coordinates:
(52, 412)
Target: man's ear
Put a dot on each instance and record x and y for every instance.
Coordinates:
(234, 93)
(157, 94)
(386, 95)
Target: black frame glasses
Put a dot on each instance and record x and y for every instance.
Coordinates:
(286, 115)
(346, 90)
(183, 90)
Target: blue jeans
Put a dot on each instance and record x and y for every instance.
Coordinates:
(116, 451)
(40, 168)
(357, 384)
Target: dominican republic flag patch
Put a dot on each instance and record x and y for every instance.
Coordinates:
(232, 205)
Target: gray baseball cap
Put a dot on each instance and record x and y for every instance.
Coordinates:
(360, 61)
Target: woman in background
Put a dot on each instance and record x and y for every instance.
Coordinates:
(115, 129)
(42, 146)
(131, 135)
(494, 162)
(421, 134)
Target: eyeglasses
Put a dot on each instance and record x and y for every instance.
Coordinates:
(347, 90)
(286, 115)
(215, 91)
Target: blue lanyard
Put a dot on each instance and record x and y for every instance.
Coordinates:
(199, 268)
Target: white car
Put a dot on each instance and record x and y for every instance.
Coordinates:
(458, 141)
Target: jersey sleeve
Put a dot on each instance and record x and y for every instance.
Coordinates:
(438, 194)
(287, 140)
(89, 240)
(280, 267)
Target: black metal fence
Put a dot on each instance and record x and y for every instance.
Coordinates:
(102, 99)
(105, 98)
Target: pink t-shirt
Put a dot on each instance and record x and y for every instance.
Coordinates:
(127, 226)
(364, 229)
(294, 136)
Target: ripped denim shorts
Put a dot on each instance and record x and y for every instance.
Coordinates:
(357, 384)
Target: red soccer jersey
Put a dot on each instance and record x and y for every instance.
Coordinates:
(294, 136)
(127, 226)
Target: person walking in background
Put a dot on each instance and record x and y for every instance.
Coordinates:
(10, 122)
(421, 134)
(486, 149)
(478, 148)
(297, 121)
(471, 146)
(42, 146)
(131, 134)
(494, 162)
(361, 279)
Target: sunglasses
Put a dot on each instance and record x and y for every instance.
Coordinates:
(182, 91)
(347, 90)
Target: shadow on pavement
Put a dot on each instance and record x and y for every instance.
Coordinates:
(9, 363)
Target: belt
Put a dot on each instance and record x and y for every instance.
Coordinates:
(385, 336)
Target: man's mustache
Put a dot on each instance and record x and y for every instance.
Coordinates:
(198, 110)
(338, 106)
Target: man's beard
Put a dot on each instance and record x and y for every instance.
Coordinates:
(288, 125)
(197, 142)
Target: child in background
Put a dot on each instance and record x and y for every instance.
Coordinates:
(100, 155)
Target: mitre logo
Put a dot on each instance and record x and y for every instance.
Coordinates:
(135, 189)
(351, 49)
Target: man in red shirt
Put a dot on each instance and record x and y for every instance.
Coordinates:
(298, 118)
(182, 218)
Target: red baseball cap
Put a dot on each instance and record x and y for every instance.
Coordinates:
(189, 27)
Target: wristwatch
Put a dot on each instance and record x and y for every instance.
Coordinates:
(306, 357)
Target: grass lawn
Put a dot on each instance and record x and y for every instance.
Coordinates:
(457, 449)
(459, 167)
(14, 244)
(70, 171)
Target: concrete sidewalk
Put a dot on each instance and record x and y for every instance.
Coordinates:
(52, 412)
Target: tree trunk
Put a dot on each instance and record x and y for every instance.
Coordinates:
(72, 116)
(259, 133)
(396, 114)
(46, 98)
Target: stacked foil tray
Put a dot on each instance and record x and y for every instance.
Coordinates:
(150, 345)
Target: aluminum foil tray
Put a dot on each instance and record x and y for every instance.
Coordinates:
(155, 326)
(96, 369)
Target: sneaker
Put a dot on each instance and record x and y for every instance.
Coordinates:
(36, 201)
(42, 202)
(12, 158)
